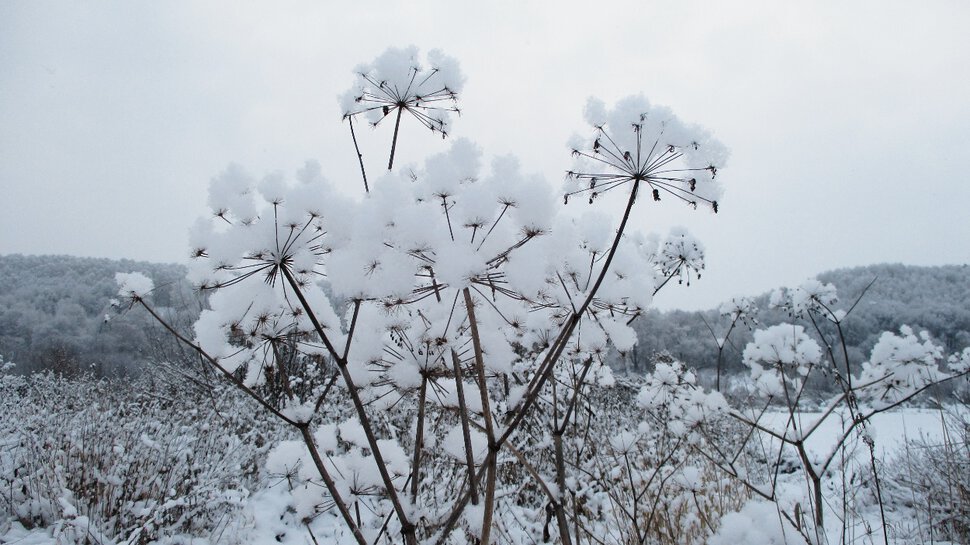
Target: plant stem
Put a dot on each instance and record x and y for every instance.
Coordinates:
(331, 485)
(559, 345)
(487, 415)
(397, 125)
(418, 440)
(407, 527)
(360, 156)
(466, 433)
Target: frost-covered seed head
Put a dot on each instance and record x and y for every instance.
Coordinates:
(637, 142)
(396, 82)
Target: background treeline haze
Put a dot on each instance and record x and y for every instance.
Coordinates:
(53, 308)
(53, 313)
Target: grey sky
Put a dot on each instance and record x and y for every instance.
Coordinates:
(849, 122)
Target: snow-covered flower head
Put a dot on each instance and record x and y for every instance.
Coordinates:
(900, 365)
(680, 254)
(260, 226)
(133, 286)
(396, 82)
(672, 397)
(780, 355)
(739, 309)
(624, 442)
(812, 296)
(960, 362)
(637, 142)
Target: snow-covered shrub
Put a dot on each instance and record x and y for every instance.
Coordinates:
(656, 483)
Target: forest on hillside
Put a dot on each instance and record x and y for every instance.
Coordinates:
(53, 313)
(885, 297)
(56, 314)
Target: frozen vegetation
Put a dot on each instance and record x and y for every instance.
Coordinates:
(155, 460)
(430, 362)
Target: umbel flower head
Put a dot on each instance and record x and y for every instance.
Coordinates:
(680, 254)
(635, 143)
(395, 83)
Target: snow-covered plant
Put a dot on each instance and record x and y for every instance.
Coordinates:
(959, 363)
(100, 462)
(416, 333)
(639, 143)
(396, 82)
(640, 475)
(931, 476)
(900, 366)
(671, 397)
(681, 256)
(780, 358)
(740, 311)
(811, 296)
(783, 358)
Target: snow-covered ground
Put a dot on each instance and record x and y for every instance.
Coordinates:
(900, 438)
(890, 430)
(66, 442)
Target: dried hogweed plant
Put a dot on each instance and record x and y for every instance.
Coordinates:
(417, 338)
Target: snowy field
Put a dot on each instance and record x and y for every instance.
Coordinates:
(902, 440)
(890, 430)
(234, 495)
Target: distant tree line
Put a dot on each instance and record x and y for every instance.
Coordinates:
(935, 299)
(56, 314)
(53, 310)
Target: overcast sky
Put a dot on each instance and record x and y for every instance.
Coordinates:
(848, 122)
